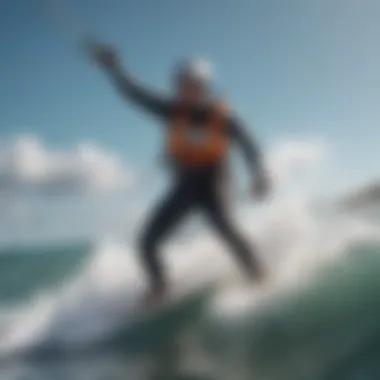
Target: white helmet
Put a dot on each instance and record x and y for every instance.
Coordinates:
(198, 70)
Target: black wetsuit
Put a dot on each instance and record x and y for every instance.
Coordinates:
(193, 188)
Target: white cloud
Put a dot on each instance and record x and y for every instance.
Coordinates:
(27, 164)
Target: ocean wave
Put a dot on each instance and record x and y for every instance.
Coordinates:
(26, 270)
(319, 305)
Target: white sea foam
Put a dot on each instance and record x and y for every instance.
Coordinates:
(291, 240)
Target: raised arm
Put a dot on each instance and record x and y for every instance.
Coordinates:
(127, 85)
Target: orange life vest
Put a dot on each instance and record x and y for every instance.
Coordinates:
(197, 146)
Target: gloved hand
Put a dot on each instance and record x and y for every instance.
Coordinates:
(105, 56)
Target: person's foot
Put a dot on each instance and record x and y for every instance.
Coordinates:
(257, 276)
(154, 297)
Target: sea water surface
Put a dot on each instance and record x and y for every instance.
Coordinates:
(69, 311)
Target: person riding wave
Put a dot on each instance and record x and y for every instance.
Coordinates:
(199, 130)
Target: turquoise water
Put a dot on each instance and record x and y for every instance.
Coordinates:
(23, 271)
(326, 328)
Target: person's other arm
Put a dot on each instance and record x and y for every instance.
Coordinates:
(252, 153)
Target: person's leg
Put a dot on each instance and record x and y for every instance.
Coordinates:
(217, 213)
(162, 220)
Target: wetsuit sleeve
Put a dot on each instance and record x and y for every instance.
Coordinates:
(139, 95)
(238, 134)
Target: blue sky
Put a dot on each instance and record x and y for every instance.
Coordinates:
(291, 69)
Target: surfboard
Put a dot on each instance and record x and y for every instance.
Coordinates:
(151, 327)
(189, 298)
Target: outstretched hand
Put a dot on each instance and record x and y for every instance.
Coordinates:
(105, 56)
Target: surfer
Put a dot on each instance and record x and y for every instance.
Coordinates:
(199, 129)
